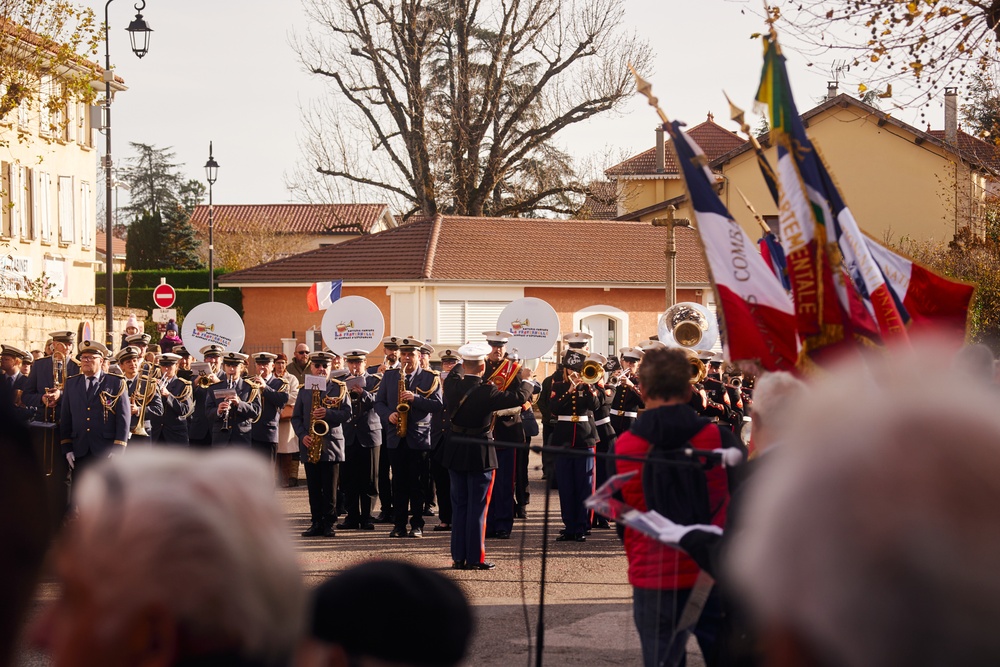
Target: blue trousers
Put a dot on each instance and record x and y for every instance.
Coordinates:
(575, 475)
(470, 498)
(501, 514)
(656, 613)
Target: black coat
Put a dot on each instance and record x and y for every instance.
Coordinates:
(427, 400)
(581, 402)
(274, 396)
(85, 427)
(178, 404)
(364, 428)
(234, 428)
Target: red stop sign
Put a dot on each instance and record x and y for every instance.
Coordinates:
(164, 295)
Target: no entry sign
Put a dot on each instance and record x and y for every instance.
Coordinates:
(164, 295)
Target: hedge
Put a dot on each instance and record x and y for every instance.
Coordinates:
(197, 279)
(186, 298)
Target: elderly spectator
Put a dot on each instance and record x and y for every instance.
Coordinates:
(175, 558)
(872, 538)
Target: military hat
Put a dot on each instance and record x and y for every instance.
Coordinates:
(390, 342)
(717, 358)
(598, 357)
(409, 344)
(320, 358)
(426, 348)
(332, 353)
(339, 373)
(264, 357)
(355, 355)
(63, 337)
(181, 351)
(92, 347)
(138, 339)
(632, 353)
(169, 359)
(704, 355)
(474, 351)
(651, 345)
(497, 338)
(449, 355)
(232, 358)
(214, 349)
(577, 339)
(11, 351)
(126, 353)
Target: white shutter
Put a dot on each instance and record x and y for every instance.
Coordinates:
(482, 316)
(86, 224)
(27, 205)
(66, 209)
(451, 322)
(42, 198)
(16, 200)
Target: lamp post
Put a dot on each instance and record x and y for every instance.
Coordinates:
(670, 222)
(211, 174)
(138, 31)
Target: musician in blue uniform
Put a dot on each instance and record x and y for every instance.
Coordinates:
(418, 392)
(49, 373)
(144, 397)
(200, 423)
(471, 404)
(171, 427)
(233, 404)
(362, 445)
(14, 381)
(274, 396)
(94, 411)
(323, 410)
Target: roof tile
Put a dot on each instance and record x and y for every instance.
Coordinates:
(292, 218)
(714, 140)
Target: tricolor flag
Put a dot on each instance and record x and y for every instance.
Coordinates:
(774, 255)
(757, 313)
(322, 295)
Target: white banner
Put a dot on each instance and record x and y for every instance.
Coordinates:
(533, 325)
(353, 323)
(213, 322)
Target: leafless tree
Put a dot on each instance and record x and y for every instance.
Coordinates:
(452, 105)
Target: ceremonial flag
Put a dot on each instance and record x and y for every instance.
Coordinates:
(757, 313)
(771, 251)
(322, 295)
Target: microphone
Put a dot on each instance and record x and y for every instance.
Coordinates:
(727, 456)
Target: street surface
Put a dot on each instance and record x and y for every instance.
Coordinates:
(588, 603)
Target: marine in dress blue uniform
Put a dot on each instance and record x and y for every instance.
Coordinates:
(94, 411)
(232, 419)
(171, 427)
(408, 452)
(627, 400)
(362, 445)
(471, 405)
(274, 397)
(333, 410)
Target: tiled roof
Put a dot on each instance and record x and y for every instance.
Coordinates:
(117, 244)
(292, 218)
(714, 139)
(19, 31)
(986, 153)
(601, 202)
(521, 250)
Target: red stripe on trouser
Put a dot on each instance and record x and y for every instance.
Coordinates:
(486, 511)
(593, 483)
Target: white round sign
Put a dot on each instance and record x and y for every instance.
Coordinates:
(351, 323)
(213, 322)
(533, 325)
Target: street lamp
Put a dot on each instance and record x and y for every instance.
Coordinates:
(670, 222)
(211, 174)
(138, 31)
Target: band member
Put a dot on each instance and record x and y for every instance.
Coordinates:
(200, 423)
(573, 403)
(471, 404)
(522, 494)
(577, 340)
(141, 341)
(171, 427)
(28, 361)
(362, 445)
(425, 351)
(317, 419)
(605, 433)
(440, 427)
(287, 462)
(627, 400)
(144, 396)
(44, 387)
(390, 360)
(274, 397)
(503, 372)
(95, 411)
(233, 404)
(14, 381)
(406, 398)
(183, 363)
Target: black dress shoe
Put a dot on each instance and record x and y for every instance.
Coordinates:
(417, 532)
(519, 513)
(602, 524)
(567, 537)
(441, 527)
(397, 532)
(429, 512)
(367, 526)
(328, 531)
(458, 565)
(503, 535)
(348, 525)
(314, 530)
(384, 517)
(485, 565)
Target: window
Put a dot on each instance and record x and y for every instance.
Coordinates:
(82, 124)
(25, 202)
(15, 205)
(46, 119)
(86, 224)
(43, 206)
(461, 321)
(66, 209)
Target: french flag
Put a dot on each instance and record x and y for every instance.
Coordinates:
(322, 295)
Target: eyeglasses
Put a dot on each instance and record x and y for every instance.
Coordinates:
(302, 352)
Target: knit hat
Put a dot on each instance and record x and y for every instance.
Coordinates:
(132, 322)
(172, 326)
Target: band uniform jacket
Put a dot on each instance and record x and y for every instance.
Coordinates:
(579, 402)
(441, 421)
(85, 427)
(200, 422)
(240, 416)
(153, 408)
(178, 404)
(625, 406)
(426, 386)
(14, 384)
(333, 442)
(364, 426)
(471, 417)
(509, 427)
(602, 419)
(41, 379)
(274, 396)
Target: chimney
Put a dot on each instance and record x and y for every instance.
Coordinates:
(951, 115)
(661, 159)
(831, 90)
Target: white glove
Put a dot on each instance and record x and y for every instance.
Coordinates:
(671, 533)
(71, 460)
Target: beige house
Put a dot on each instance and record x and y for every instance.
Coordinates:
(48, 170)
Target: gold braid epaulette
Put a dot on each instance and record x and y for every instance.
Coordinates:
(434, 386)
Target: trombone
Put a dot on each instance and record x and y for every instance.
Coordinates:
(146, 387)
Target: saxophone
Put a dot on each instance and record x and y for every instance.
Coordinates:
(402, 408)
(317, 428)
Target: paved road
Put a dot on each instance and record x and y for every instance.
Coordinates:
(588, 609)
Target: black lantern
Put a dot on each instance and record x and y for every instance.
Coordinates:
(211, 167)
(138, 31)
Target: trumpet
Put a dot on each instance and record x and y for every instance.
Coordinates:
(206, 381)
(698, 370)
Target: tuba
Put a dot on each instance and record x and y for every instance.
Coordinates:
(402, 408)
(688, 324)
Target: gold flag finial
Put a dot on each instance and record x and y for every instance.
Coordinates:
(645, 88)
(753, 212)
(737, 114)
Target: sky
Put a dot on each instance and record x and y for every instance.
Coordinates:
(224, 71)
